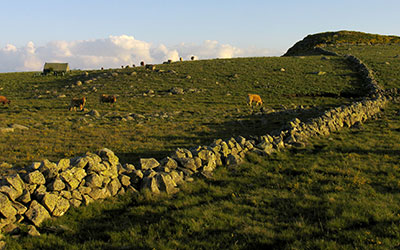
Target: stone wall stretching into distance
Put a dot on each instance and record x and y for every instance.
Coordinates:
(47, 189)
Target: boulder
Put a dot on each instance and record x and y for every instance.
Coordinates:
(56, 185)
(94, 180)
(63, 164)
(169, 163)
(35, 177)
(16, 182)
(75, 202)
(11, 192)
(108, 155)
(6, 208)
(148, 163)
(176, 176)
(166, 183)
(150, 184)
(125, 180)
(73, 177)
(114, 186)
(25, 198)
(99, 193)
(37, 213)
(188, 163)
(20, 208)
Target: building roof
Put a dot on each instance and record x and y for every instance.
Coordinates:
(56, 66)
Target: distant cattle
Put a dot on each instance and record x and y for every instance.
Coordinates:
(4, 100)
(108, 99)
(150, 67)
(254, 98)
(141, 63)
(77, 103)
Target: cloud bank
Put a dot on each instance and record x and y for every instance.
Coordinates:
(114, 51)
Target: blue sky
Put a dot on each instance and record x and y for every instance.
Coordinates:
(269, 27)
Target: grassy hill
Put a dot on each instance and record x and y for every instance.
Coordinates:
(143, 124)
(339, 192)
(338, 38)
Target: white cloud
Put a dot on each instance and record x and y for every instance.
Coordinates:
(112, 52)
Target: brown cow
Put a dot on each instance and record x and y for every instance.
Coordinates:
(77, 102)
(4, 100)
(108, 98)
(254, 98)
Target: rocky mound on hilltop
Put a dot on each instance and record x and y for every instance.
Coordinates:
(307, 45)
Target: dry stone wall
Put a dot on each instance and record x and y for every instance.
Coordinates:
(48, 189)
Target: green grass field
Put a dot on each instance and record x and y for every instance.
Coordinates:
(337, 192)
(216, 110)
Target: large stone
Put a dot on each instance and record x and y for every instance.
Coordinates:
(94, 180)
(37, 213)
(48, 169)
(25, 198)
(111, 171)
(169, 163)
(35, 177)
(188, 163)
(10, 191)
(166, 183)
(76, 195)
(114, 186)
(49, 201)
(148, 163)
(56, 185)
(176, 177)
(75, 202)
(55, 204)
(62, 207)
(21, 209)
(125, 180)
(99, 193)
(73, 177)
(16, 182)
(151, 185)
(182, 153)
(63, 164)
(108, 155)
(6, 207)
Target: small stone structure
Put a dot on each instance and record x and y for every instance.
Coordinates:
(47, 189)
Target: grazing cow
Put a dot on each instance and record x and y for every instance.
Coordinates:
(108, 98)
(77, 102)
(4, 100)
(254, 98)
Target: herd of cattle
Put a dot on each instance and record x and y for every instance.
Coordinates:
(80, 102)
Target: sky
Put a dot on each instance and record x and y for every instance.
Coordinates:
(90, 34)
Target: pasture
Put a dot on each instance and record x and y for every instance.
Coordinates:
(148, 120)
(337, 192)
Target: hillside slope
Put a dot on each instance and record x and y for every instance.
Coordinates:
(306, 46)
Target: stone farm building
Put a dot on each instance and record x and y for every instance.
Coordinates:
(55, 68)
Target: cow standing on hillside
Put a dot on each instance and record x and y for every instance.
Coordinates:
(4, 100)
(108, 99)
(254, 98)
(77, 103)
